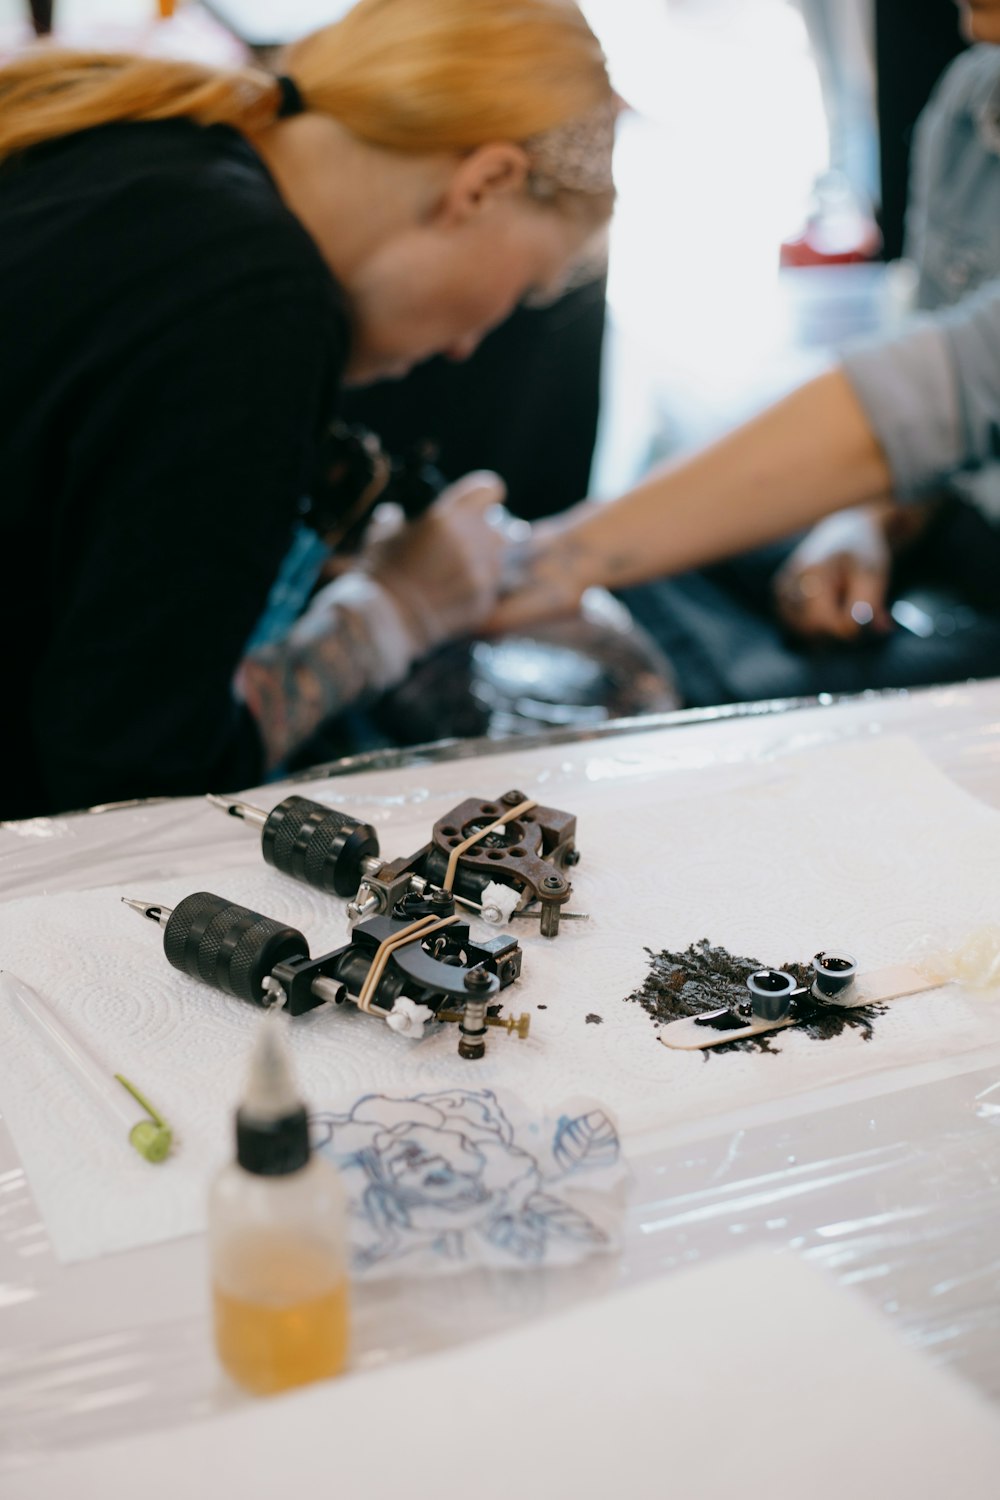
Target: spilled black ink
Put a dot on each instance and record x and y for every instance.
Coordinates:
(706, 977)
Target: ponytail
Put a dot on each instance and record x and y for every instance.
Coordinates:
(52, 92)
(415, 76)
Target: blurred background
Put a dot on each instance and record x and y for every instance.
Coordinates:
(757, 132)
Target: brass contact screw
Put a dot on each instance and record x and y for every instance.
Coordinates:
(520, 1024)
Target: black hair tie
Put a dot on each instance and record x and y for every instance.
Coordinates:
(291, 101)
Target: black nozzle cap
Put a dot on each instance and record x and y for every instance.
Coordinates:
(272, 1148)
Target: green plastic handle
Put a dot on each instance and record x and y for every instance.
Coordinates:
(152, 1138)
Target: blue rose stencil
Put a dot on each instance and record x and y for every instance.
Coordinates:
(445, 1181)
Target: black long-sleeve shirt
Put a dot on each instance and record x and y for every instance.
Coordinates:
(171, 344)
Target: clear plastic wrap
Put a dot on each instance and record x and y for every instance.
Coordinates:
(957, 727)
(889, 1180)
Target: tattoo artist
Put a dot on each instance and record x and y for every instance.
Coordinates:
(193, 262)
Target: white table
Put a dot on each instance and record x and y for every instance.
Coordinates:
(890, 1181)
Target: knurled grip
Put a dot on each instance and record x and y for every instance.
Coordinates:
(228, 946)
(318, 845)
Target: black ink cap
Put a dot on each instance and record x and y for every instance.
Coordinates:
(272, 1128)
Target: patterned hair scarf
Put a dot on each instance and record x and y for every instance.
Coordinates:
(575, 157)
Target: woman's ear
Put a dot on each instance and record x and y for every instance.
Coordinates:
(485, 174)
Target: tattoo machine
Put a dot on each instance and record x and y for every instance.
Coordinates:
(410, 966)
(354, 474)
(491, 857)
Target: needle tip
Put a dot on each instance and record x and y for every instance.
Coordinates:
(145, 908)
(226, 803)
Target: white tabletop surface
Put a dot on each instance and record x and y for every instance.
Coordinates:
(885, 1182)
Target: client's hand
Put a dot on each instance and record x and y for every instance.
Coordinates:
(546, 574)
(444, 571)
(835, 583)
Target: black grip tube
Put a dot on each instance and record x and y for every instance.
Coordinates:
(318, 845)
(228, 946)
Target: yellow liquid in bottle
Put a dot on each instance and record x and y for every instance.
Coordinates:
(282, 1320)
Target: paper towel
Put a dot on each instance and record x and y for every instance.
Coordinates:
(864, 847)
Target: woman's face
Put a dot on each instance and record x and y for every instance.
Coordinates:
(439, 287)
(981, 20)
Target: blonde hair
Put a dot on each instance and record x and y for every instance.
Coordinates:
(412, 76)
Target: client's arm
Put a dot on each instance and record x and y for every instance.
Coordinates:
(809, 454)
(897, 416)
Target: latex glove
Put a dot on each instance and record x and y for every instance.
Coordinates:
(835, 584)
(413, 588)
(546, 574)
(444, 572)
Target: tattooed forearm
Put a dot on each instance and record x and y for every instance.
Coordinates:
(348, 642)
(620, 565)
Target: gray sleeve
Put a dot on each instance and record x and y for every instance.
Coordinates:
(932, 394)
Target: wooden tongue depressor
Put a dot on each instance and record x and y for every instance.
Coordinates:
(868, 989)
